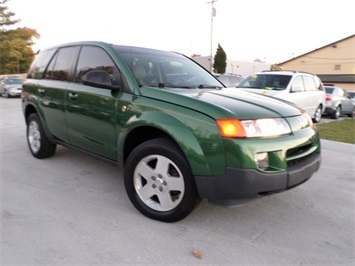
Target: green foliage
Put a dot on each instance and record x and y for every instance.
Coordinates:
(220, 61)
(342, 131)
(16, 53)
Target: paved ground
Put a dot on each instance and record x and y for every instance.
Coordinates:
(72, 209)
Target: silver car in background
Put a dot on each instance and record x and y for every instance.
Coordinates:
(11, 87)
(352, 95)
(338, 102)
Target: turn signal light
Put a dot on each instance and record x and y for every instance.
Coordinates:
(231, 128)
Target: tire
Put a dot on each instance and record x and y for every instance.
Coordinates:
(317, 114)
(159, 181)
(38, 143)
(352, 114)
(336, 113)
(6, 94)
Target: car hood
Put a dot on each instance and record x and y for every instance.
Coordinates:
(263, 91)
(224, 103)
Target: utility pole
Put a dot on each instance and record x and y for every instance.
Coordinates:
(213, 14)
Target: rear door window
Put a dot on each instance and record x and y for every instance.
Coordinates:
(39, 65)
(61, 65)
(309, 83)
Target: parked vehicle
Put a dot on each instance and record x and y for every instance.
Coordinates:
(338, 102)
(178, 134)
(303, 89)
(229, 80)
(352, 95)
(11, 86)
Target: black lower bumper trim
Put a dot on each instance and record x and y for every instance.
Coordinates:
(247, 184)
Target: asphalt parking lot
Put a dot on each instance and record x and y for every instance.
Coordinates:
(71, 209)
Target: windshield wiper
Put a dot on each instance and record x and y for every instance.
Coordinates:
(201, 86)
(164, 85)
(250, 87)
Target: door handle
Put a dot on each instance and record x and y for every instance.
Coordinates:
(73, 96)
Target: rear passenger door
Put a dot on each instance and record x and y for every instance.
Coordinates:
(51, 91)
(313, 97)
(346, 103)
(91, 111)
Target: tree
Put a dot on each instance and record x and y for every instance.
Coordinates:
(16, 53)
(220, 61)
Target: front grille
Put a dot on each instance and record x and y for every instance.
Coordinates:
(297, 155)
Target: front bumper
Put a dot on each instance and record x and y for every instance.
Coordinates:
(14, 92)
(248, 184)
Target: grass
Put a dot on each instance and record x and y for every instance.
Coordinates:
(342, 131)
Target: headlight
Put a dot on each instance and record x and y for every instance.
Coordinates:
(266, 127)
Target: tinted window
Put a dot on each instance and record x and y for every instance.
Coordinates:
(309, 83)
(95, 58)
(329, 90)
(39, 64)
(276, 82)
(59, 68)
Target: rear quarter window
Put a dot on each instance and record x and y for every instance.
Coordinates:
(39, 64)
(309, 83)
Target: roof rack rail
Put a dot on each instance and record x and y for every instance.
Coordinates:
(286, 70)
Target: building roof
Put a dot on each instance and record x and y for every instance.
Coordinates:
(333, 43)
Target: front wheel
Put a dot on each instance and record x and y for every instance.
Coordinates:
(6, 94)
(38, 143)
(159, 181)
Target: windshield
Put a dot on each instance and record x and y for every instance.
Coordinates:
(166, 69)
(265, 81)
(13, 81)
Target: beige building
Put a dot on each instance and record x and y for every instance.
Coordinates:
(333, 63)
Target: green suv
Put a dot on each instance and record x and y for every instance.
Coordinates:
(179, 135)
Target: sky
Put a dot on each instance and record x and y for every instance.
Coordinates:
(270, 30)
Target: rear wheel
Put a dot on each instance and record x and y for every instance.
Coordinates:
(159, 181)
(38, 143)
(352, 114)
(318, 114)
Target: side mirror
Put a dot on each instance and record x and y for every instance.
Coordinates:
(101, 79)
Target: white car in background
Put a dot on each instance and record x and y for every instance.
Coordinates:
(303, 89)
